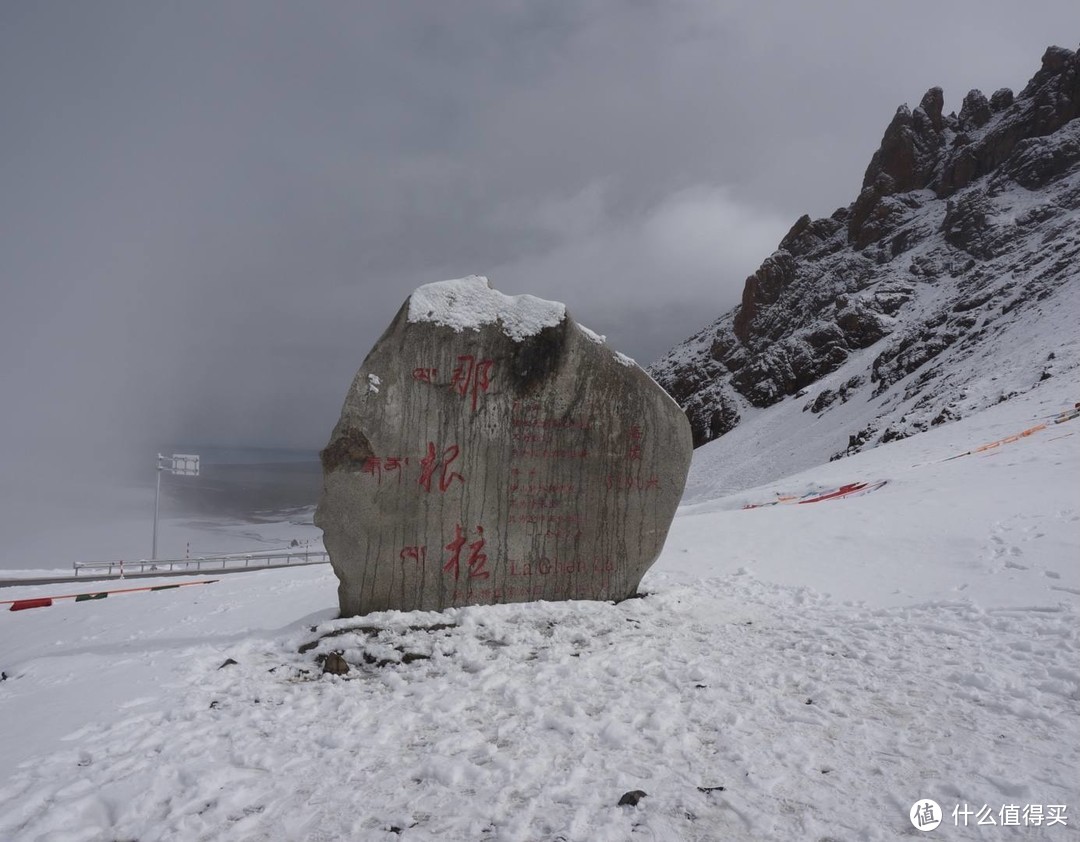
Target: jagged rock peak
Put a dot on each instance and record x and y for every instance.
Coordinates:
(932, 103)
(1001, 99)
(975, 112)
(957, 213)
(1055, 59)
(923, 150)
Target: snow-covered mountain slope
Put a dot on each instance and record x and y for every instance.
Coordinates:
(792, 434)
(796, 671)
(948, 285)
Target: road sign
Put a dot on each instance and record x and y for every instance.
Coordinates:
(180, 464)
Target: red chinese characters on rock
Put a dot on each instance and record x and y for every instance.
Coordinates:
(531, 482)
(538, 436)
(632, 483)
(477, 561)
(530, 415)
(471, 377)
(548, 453)
(558, 568)
(430, 462)
(633, 451)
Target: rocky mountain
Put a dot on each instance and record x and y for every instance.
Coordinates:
(949, 284)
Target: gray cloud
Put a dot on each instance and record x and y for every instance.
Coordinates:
(615, 267)
(208, 212)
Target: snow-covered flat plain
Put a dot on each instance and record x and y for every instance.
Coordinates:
(794, 671)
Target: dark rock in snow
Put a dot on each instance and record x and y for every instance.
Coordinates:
(1037, 161)
(335, 664)
(631, 799)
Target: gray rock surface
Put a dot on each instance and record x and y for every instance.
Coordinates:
(491, 450)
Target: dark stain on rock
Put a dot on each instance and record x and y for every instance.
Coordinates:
(349, 450)
(538, 357)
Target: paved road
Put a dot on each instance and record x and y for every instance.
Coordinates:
(61, 580)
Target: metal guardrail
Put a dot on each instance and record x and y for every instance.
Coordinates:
(199, 563)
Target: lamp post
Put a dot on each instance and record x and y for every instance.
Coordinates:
(180, 464)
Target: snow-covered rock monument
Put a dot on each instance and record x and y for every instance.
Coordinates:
(492, 450)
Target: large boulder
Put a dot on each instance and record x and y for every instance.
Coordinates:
(492, 450)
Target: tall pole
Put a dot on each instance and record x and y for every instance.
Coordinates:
(180, 464)
(157, 497)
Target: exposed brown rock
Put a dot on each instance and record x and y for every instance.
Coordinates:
(937, 187)
(335, 664)
(763, 288)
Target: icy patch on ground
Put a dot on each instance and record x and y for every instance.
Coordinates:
(470, 303)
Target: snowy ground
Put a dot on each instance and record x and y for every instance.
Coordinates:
(795, 672)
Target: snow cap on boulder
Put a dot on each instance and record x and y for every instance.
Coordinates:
(471, 303)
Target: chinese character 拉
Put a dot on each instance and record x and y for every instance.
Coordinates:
(477, 558)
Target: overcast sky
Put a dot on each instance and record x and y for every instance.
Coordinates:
(210, 211)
